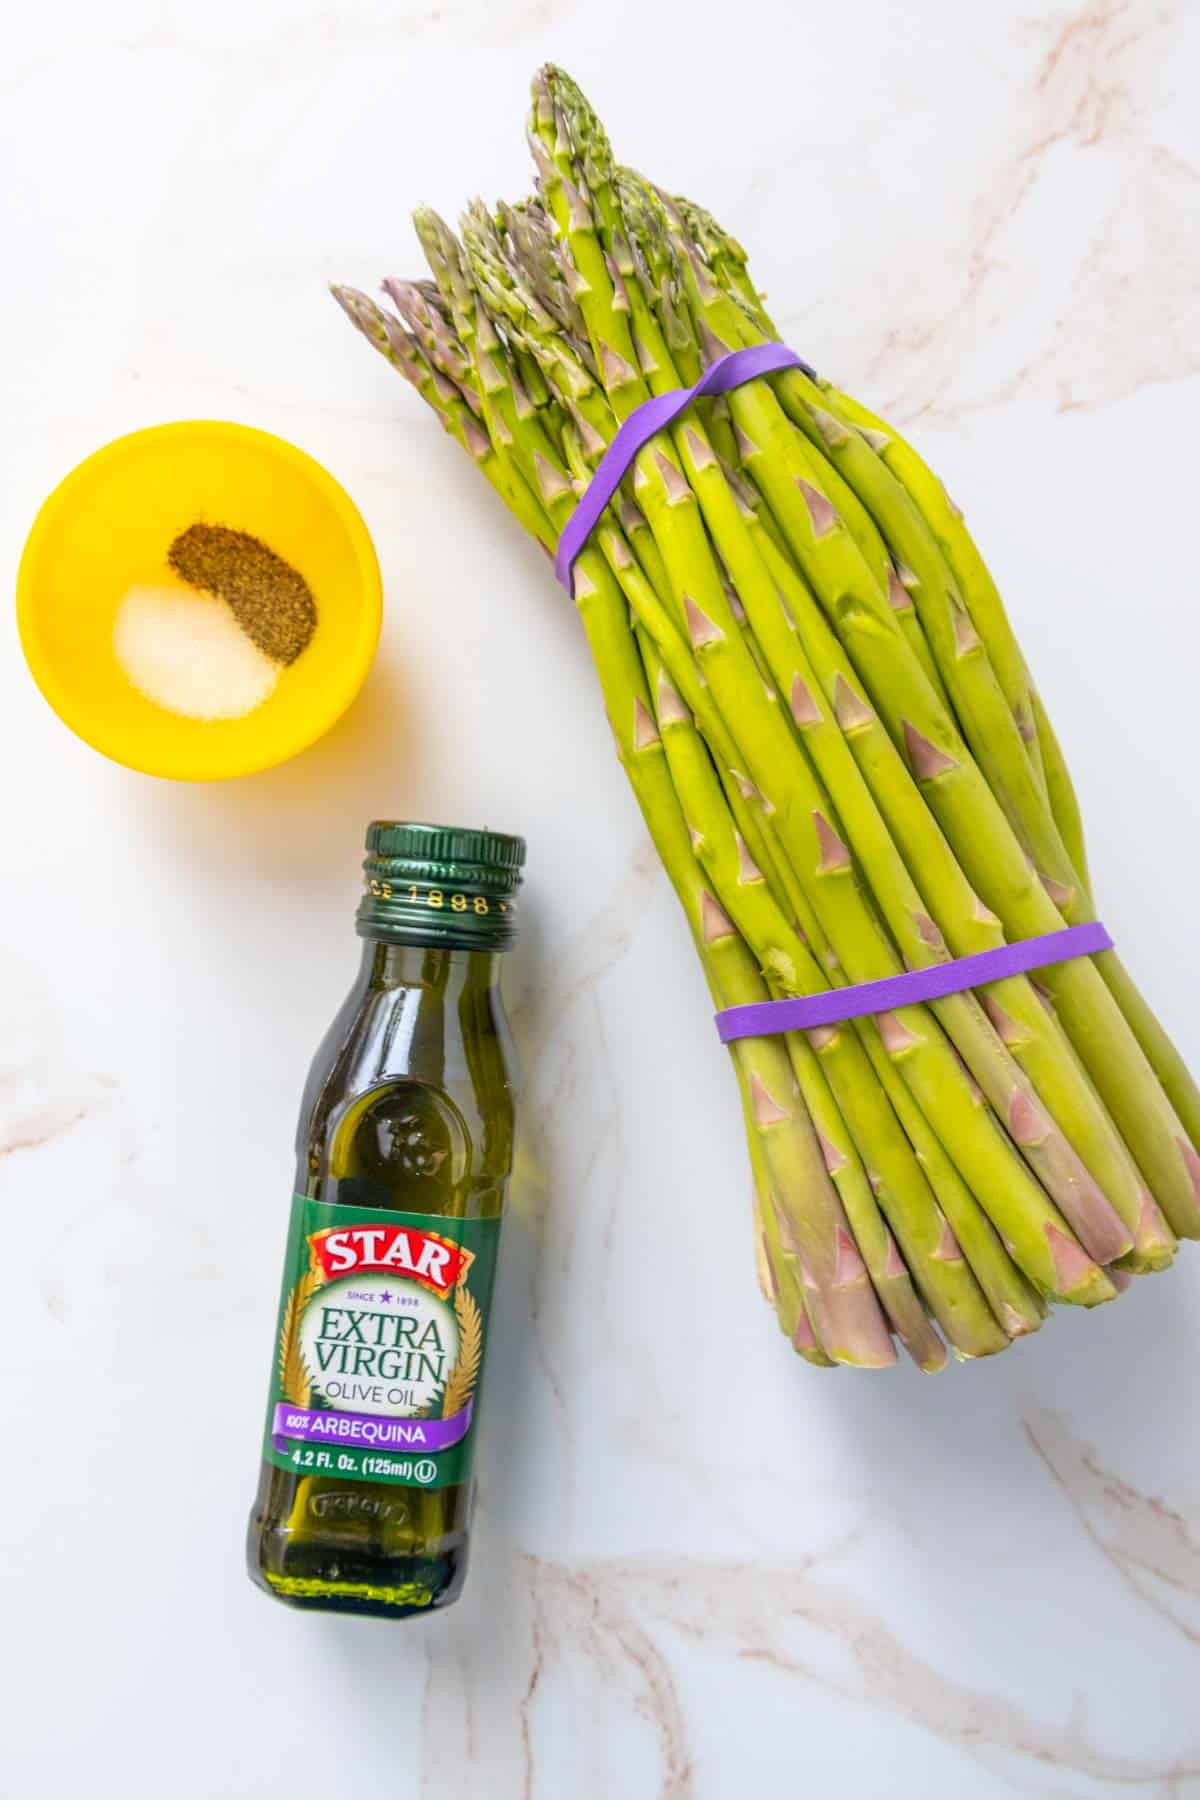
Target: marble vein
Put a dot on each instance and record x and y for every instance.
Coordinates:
(1123, 319)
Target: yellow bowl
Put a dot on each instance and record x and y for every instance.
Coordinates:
(108, 527)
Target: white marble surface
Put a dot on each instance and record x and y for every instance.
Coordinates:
(701, 1567)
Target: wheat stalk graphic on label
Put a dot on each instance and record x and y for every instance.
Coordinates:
(294, 1378)
(465, 1372)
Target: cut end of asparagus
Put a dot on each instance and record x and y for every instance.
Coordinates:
(1077, 1277)
(804, 1337)
(1154, 1240)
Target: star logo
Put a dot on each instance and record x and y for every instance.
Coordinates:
(386, 1298)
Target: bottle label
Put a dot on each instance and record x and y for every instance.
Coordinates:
(379, 1350)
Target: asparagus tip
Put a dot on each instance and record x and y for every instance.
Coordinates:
(1073, 1267)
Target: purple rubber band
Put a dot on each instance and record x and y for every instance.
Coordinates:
(769, 1016)
(652, 416)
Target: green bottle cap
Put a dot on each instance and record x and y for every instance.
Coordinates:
(440, 885)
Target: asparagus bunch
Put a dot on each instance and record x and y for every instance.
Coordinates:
(833, 737)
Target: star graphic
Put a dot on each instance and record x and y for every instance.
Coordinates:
(386, 1298)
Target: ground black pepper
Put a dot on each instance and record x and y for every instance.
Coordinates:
(270, 600)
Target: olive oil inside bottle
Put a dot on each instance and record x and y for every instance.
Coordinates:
(407, 1116)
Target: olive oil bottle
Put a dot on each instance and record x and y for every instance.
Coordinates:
(404, 1150)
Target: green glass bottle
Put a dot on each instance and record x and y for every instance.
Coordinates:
(404, 1151)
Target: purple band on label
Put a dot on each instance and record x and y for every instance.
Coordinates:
(652, 416)
(368, 1431)
(769, 1016)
